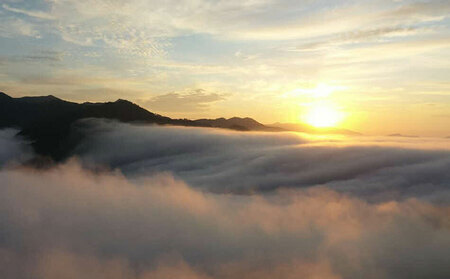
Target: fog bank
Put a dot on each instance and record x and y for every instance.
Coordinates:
(376, 169)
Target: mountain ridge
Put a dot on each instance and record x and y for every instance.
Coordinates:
(47, 120)
(304, 128)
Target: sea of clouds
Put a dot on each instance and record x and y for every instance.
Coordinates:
(139, 201)
(220, 161)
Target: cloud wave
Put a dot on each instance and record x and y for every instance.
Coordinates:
(167, 208)
(223, 161)
(72, 223)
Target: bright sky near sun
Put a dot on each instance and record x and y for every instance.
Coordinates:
(377, 67)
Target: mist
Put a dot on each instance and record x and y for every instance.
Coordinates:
(70, 222)
(139, 201)
(221, 161)
(13, 148)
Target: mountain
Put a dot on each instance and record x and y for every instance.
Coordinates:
(402, 136)
(236, 123)
(304, 128)
(47, 120)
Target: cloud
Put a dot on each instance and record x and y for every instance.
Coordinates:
(45, 56)
(13, 149)
(142, 28)
(375, 169)
(345, 17)
(357, 36)
(166, 207)
(42, 56)
(186, 43)
(36, 14)
(12, 27)
(426, 11)
(69, 222)
(124, 27)
(187, 101)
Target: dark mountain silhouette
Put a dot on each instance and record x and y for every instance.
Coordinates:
(403, 136)
(304, 128)
(48, 121)
(236, 123)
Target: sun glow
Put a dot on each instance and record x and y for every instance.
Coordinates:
(323, 115)
(322, 90)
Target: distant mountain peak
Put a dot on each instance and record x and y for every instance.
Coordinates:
(41, 99)
(124, 101)
(305, 128)
(4, 95)
(52, 97)
(235, 123)
(47, 120)
(402, 135)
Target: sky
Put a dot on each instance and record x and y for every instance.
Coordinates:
(379, 67)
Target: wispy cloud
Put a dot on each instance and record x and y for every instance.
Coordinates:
(13, 27)
(188, 101)
(30, 13)
(232, 46)
(358, 36)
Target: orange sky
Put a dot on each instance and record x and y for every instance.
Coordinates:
(381, 67)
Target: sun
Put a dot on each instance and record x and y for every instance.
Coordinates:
(322, 115)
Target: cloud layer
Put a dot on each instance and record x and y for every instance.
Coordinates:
(314, 208)
(68, 222)
(222, 161)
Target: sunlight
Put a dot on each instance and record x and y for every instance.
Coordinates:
(323, 115)
(322, 90)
